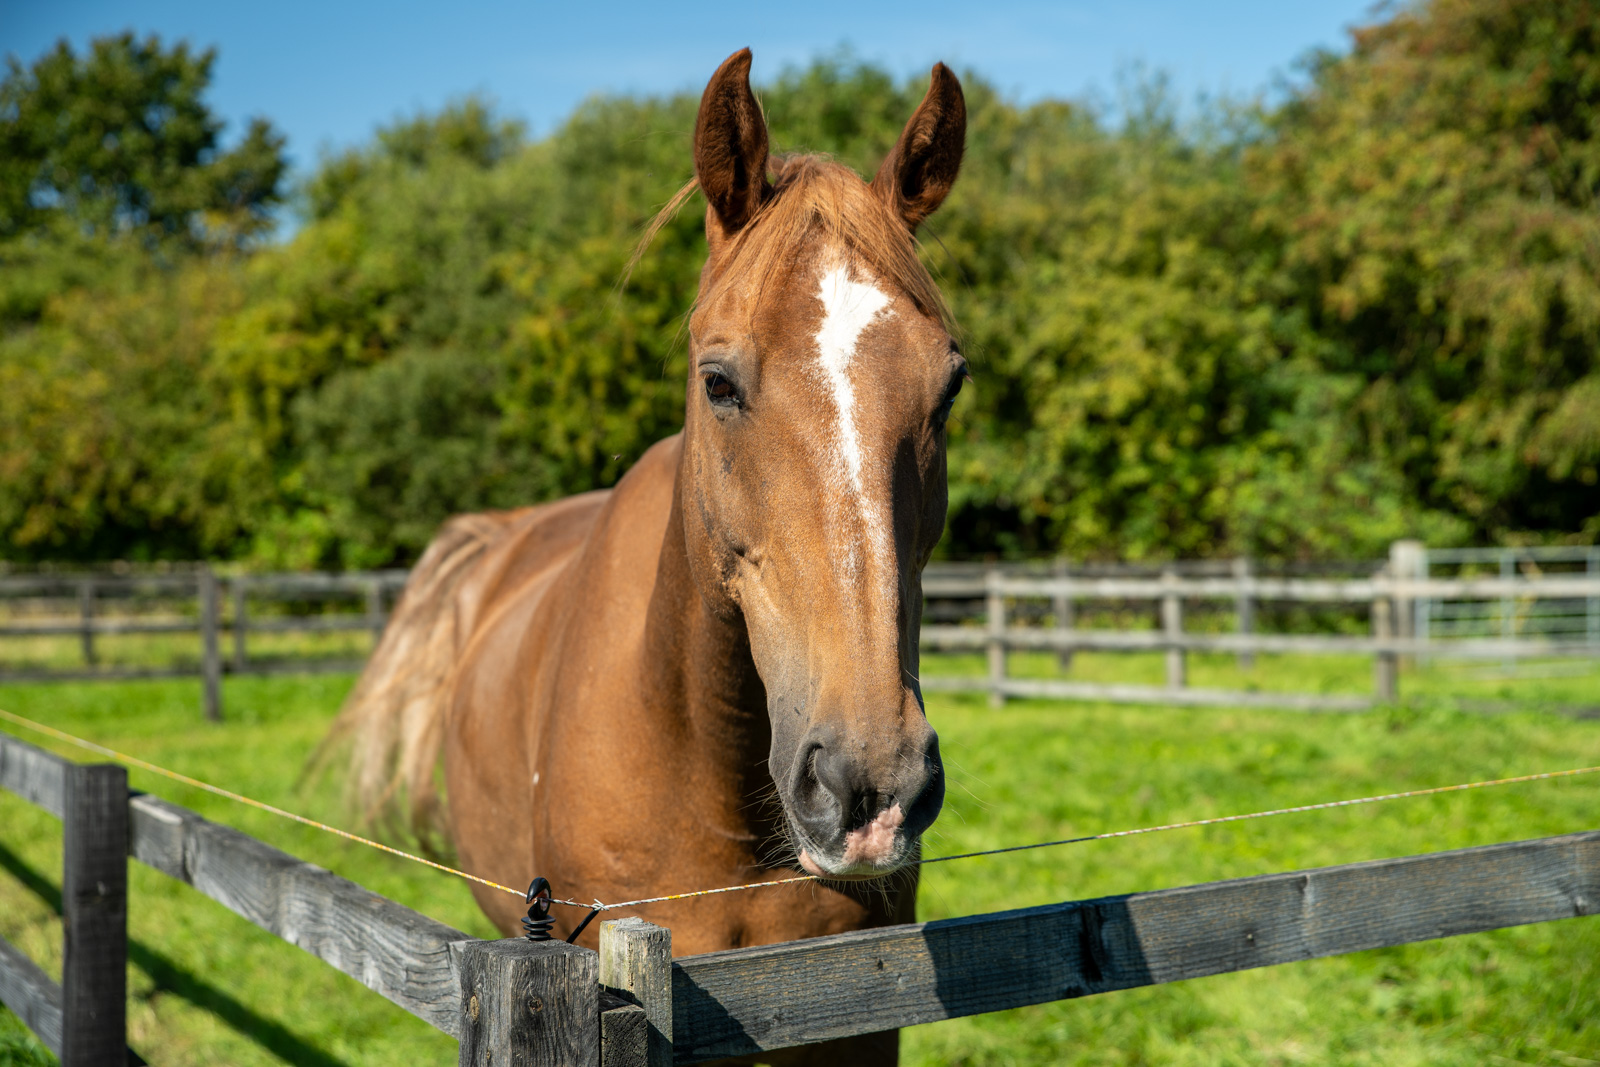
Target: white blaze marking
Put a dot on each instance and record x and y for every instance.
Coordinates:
(849, 307)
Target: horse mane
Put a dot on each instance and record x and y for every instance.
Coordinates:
(813, 193)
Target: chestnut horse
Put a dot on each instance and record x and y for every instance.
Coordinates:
(709, 673)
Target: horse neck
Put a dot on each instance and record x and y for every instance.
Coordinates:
(700, 670)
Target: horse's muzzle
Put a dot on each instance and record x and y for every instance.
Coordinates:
(854, 820)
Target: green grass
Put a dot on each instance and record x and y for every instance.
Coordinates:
(209, 988)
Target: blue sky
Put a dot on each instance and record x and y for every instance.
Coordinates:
(328, 73)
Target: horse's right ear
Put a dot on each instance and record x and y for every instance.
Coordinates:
(730, 148)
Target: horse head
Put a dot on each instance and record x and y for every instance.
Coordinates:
(822, 371)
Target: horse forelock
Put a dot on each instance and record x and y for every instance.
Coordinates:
(813, 198)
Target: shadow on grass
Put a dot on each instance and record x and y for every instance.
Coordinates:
(171, 978)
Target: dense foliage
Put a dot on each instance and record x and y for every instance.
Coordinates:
(1369, 312)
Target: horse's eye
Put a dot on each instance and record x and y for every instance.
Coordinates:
(942, 414)
(719, 389)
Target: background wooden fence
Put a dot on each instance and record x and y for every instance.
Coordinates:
(632, 1004)
(1502, 605)
(222, 611)
(1390, 603)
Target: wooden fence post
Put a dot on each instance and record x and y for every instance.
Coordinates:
(996, 617)
(1065, 613)
(210, 644)
(1172, 627)
(1407, 562)
(636, 965)
(1244, 571)
(94, 914)
(529, 1004)
(86, 619)
(241, 624)
(1385, 665)
(375, 618)
(1508, 606)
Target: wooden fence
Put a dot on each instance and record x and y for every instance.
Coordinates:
(221, 617)
(996, 610)
(632, 1005)
(1390, 602)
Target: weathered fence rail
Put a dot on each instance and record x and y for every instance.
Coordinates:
(633, 1005)
(418, 963)
(757, 999)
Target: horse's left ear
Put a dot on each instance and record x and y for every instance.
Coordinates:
(921, 169)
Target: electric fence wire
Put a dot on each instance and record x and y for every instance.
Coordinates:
(597, 906)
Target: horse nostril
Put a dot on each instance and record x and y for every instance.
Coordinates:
(923, 803)
(809, 790)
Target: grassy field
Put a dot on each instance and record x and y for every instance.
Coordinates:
(209, 988)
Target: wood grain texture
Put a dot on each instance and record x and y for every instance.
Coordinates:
(37, 776)
(528, 1004)
(624, 1034)
(385, 946)
(750, 1000)
(94, 916)
(636, 964)
(31, 995)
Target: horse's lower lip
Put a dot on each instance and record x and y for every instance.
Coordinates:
(855, 874)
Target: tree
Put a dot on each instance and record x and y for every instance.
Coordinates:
(122, 225)
(121, 140)
(1371, 312)
(1434, 196)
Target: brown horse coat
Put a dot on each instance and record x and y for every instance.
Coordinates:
(709, 673)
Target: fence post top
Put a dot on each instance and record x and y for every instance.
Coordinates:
(521, 948)
(626, 944)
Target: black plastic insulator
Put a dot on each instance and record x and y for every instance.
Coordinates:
(537, 923)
